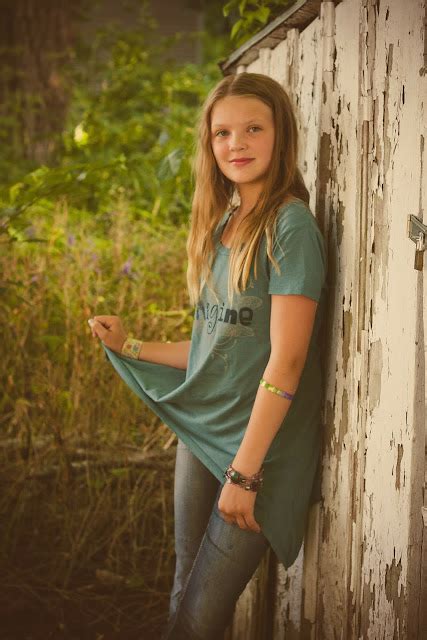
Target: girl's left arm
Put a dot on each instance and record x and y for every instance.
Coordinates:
(291, 327)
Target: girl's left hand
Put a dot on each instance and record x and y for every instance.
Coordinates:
(236, 506)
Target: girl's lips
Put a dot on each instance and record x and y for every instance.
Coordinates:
(240, 163)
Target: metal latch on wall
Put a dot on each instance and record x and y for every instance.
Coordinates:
(417, 231)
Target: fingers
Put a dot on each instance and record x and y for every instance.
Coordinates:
(247, 521)
(242, 520)
(229, 517)
(98, 330)
(109, 323)
(91, 323)
(110, 331)
(106, 321)
(252, 523)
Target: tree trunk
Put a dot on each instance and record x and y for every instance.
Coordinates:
(37, 38)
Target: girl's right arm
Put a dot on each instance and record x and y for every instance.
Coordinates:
(174, 354)
(112, 333)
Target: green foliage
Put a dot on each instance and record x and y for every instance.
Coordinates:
(252, 15)
(139, 123)
(129, 134)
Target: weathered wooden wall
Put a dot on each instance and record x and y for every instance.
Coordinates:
(360, 98)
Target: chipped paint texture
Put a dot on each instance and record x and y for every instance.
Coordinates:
(353, 76)
(395, 431)
(287, 619)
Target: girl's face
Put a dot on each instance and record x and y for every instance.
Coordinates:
(242, 129)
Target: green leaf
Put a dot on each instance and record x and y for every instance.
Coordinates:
(236, 28)
(242, 7)
(64, 401)
(16, 234)
(228, 7)
(120, 472)
(14, 191)
(262, 14)
(170, 165)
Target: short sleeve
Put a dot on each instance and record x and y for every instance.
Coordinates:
(300, 252)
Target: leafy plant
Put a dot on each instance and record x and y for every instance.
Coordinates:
(250, 16)
(129, 134)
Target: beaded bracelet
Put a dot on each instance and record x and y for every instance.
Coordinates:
(131, 348)
(273, 389)
(249, 483)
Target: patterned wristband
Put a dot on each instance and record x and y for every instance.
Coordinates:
(131, 348)
(249, 483)
(273, 389)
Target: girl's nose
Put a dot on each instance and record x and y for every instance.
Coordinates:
(237, 143)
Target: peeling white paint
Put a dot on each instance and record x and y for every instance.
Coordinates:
(354, 78)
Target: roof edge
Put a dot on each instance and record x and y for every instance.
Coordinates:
(299, 15)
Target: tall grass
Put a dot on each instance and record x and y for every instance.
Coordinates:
(86, 542)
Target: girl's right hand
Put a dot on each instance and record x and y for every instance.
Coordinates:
(110, 330)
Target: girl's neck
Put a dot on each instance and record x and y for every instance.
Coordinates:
(248, 198)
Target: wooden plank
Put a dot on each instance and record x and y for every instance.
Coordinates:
(288, 599)
(422, 612)
(395, 404)
(307, 65)
(338, 209)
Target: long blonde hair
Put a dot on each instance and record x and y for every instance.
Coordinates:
(213, 193)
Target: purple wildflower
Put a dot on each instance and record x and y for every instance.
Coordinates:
(126, 269)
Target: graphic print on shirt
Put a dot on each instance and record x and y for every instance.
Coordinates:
(224, 325)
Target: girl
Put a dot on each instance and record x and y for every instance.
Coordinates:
(244, 394)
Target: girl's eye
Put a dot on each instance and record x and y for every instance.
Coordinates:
(219, 134)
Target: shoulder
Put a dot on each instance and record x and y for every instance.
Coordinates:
(295, 215)
(296, 228)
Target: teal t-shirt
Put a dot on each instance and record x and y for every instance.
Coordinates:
(209, 405)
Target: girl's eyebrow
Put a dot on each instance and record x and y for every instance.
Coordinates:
(215, 126)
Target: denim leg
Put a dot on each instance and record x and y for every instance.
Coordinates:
(194, 495)
(227, 558)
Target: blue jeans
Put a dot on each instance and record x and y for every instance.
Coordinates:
(214, 560)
